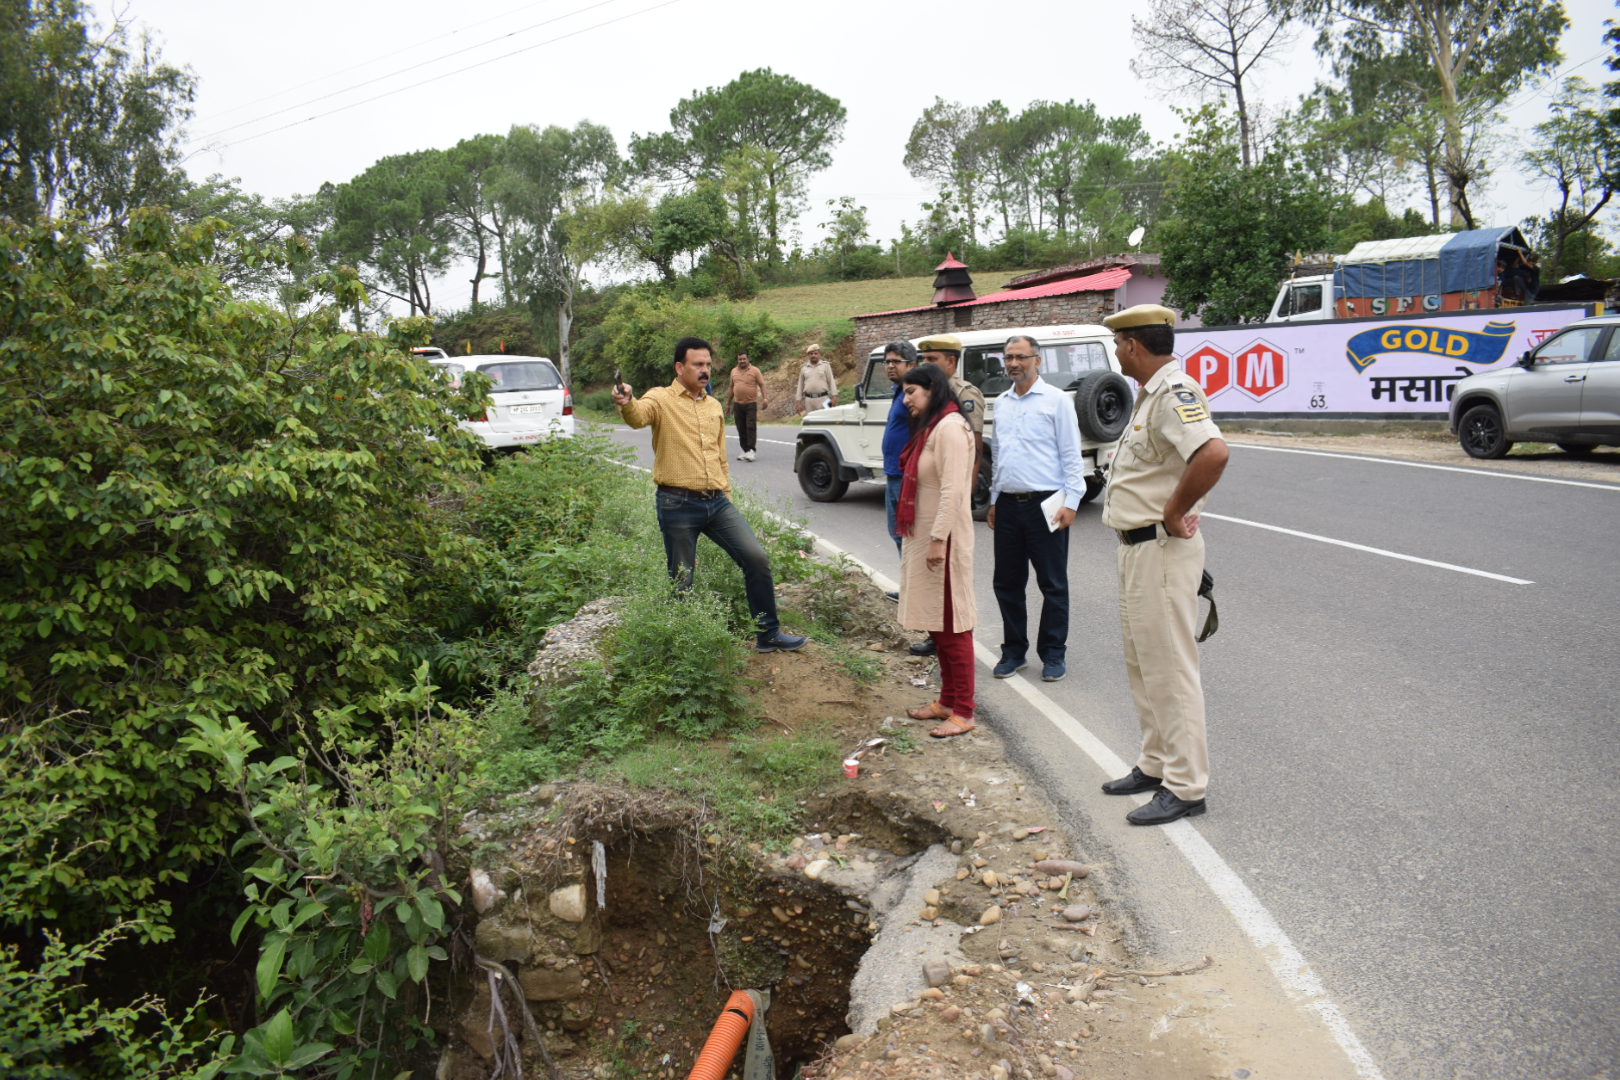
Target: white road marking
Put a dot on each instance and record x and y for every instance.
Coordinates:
(1370, 550)
(1288, 965)
(1428, 465)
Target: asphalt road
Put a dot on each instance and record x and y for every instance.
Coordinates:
(1412, 706)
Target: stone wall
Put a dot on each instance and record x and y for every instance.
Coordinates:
(873, 331)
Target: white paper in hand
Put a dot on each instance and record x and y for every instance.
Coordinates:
(1050, 507)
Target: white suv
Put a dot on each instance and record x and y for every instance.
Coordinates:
(528, 401)
(843, 444)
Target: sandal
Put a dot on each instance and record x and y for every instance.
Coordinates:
(953, 725)
(934, 710)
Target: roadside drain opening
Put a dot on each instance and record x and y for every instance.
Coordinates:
(628, 969)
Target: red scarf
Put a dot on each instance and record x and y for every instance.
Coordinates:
(905, 515)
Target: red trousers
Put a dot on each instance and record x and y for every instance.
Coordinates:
(955, 659)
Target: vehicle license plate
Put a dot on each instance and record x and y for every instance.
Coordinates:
(515, 409)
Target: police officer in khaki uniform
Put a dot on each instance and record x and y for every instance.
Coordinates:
(944, 351)
(1166, 464)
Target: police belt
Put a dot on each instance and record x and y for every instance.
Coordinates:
(1138, 536)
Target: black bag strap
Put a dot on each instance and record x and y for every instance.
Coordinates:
(1212, 621)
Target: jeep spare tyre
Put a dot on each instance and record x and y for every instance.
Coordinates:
(1102, 400)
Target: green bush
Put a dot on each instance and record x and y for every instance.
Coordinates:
(349, 893)
(747, 328)
(213, 510)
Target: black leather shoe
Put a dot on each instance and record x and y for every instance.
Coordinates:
(1129, 785)
(1165, 808)
(924, 648)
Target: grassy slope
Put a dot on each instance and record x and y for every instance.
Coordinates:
(804, 307)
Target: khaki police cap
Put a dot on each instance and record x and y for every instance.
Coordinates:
(1140, 315)
(940, 343)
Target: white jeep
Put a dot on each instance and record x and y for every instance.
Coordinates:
(843, 444)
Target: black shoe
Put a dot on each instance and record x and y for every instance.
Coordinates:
(776, 641)
(1137, 781)
(1165, 808)
(926, 647)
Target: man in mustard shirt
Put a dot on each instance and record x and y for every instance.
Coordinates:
(1167, 462)
(694, 483)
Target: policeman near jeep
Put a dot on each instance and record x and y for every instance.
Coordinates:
(1167, 462)
(944, 351)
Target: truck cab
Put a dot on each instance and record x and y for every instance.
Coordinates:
(1305, 298)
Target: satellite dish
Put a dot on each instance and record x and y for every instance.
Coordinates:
(1136, 236)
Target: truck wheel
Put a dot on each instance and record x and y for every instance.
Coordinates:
(1482, 434)
(818, 475)
(1094, 486)
(981, 491)
(1103, 403)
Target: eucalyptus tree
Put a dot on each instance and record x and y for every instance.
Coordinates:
(1462, 58)
(91, 122)
(950, 144)
(478, 225)
(1575, 151)
(544, 178)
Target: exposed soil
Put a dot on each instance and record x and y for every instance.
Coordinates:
(1018, 970)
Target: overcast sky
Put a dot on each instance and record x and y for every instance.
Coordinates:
(300, 92)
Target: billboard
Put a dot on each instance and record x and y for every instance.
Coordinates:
(1357, 368)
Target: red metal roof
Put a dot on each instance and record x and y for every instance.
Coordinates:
(951, 263)
(1107, 281)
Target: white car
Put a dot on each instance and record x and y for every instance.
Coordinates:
(527, 403)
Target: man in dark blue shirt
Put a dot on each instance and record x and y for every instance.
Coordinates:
(899, 357)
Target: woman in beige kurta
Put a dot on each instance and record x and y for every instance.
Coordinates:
(935, 517)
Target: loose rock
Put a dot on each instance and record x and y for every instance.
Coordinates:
(1062, 866)
(991, 915)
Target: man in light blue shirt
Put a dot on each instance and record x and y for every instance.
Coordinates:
(1036, 453)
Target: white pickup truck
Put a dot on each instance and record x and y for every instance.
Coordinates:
(844, 444)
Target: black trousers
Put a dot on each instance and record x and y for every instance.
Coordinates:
(1022, 540)
(747, 417)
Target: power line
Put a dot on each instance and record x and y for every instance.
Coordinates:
(458, 71)
(379, 58)
(400, 71)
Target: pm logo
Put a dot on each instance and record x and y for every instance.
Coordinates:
(1260, 370)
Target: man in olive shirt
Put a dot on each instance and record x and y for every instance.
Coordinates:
(694, 482)
(745, 396)
(1167, 462)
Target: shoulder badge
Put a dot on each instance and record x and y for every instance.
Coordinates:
(967, 406)
(1191, 414)
(1187, 396)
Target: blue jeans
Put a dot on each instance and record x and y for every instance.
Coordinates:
(1022, 540)
(891, 498)
(683, 518)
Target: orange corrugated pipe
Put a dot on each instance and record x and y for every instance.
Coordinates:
(720, 1048)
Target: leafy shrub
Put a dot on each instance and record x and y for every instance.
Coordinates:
(214, 510)
(349, 891)
(45, 1022)
(747, 328)
(672, 665)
